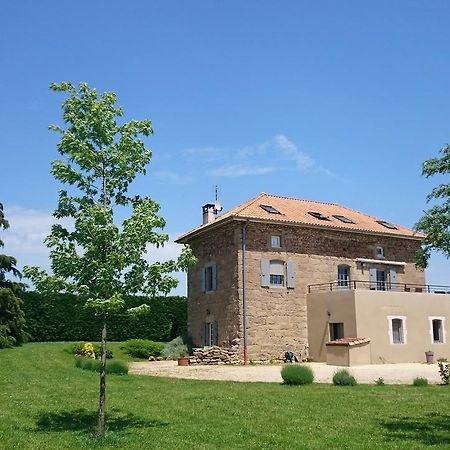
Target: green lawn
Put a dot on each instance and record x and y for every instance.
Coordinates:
(47, 403)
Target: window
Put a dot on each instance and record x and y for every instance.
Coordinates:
(275, 241)
(437, 330)
(209, 278)
(343, 276)
(381, 280)
(270, 209)
(380, 252)
(318, 215)
(343, 218)
(210, 334)
(397, 329)
(336, 331)
(387, 224)
(277, 273)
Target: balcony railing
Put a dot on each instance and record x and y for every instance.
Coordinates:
(378, 286)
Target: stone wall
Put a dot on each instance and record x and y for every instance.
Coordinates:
(277, 319)
(217, 355)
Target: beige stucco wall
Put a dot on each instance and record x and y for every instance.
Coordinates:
(365, 314)
(348, 355)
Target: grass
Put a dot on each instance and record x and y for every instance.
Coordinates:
(47, 403)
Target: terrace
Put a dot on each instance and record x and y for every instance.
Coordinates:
(378, 286)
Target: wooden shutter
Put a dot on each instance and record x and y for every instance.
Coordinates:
(215, 333)
(392, 279)
(214, 277)
(290, 274)
(373, 277)
(265, 272)
(202, 280)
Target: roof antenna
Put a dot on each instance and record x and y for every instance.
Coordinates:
(217, 205)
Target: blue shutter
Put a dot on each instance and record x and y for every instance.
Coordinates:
(373, 277)
(290, 274)
(202, 280)
(215, 331)
(214, 277)
(392, 279)
(265, 272)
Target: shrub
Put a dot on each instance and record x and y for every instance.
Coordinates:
(142, 348)
(444, 371)
(174, 349)
(379, 381)
(115, 367)
(344, 378)
(297, 374)
(420, 381)
(78, 349)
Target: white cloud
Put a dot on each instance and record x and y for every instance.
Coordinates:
(292, 152)
(239, 171)
(169, 177)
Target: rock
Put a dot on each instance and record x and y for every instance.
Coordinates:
(152, 358)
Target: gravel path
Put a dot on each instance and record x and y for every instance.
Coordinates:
(392, 373)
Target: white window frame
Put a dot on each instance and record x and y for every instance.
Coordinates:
(405, 331)
(281, 265)
(277, 239)
(343, 283)
(444, 331)
(380, 254)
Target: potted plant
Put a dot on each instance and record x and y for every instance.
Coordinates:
(429, 355)
(183, 360)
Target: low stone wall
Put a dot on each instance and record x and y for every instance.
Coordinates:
(216, 355)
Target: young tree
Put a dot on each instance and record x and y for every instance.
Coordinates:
(98, 259)
(12, 318)
(436, 221)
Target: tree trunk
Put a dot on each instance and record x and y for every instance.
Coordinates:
(102, 400)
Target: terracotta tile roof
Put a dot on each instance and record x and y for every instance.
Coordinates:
(350, 341)
(298, 211)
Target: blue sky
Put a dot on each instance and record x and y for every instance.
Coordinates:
(327, 100)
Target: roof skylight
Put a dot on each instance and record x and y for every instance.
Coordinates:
(387, 224)
(318, 215)
(343, 218)
(270, 209)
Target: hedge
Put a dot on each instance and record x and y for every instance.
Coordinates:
(61, 317)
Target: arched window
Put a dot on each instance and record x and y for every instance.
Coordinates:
(343, 275)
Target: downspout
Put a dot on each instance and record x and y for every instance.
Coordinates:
(244, 298)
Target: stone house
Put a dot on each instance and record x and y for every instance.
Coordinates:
(288, 274)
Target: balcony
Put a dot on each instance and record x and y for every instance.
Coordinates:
(378, 286)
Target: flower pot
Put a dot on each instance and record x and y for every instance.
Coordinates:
(183, 361)
(429, 357)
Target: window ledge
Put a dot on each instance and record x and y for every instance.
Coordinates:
(380, 261)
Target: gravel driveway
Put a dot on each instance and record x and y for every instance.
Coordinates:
(392, 373)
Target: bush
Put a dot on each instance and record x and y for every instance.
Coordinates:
(62, 317)
(444, 371)
(420, 381)
(142, 348)
(344, 378)
(175, 349)
(116, 366)
(79, 349)
(297, 374)
(12, 318)
(379, 381)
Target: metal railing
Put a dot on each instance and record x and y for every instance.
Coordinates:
(378, 286)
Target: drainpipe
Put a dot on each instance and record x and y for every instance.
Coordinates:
(244, 298)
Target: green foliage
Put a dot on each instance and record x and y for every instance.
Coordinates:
(420, 382)
(379, 381)
(142, 348)
(77, 349)
(115, 366)
(12, 319)
(436, 221)
(344, 378)
(294, 374)
(444, 371)
(175, 349)
(62, 317)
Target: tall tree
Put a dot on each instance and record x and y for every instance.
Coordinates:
(99, 259)
(436, 221)
(12, 318)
